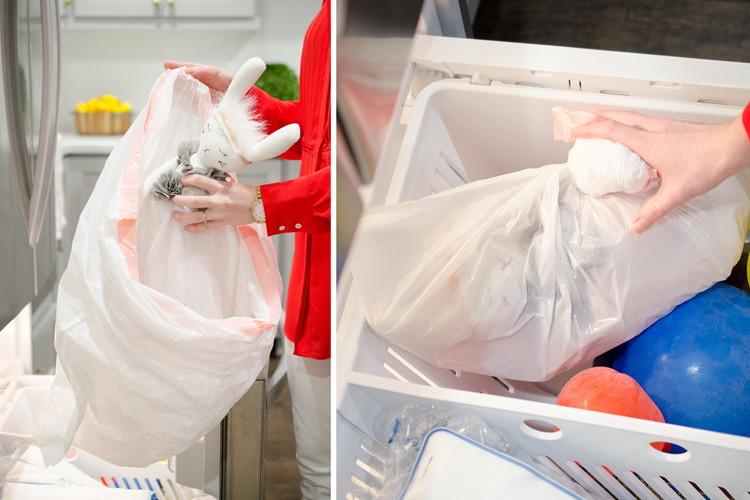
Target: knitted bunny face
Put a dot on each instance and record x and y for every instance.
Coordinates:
(232, 136)
(218, 146)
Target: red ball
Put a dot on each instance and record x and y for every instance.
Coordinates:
(609, 391)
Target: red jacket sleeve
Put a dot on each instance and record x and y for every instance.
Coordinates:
(277, 114)
(299, 205)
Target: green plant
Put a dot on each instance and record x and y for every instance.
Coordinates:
(279, 81)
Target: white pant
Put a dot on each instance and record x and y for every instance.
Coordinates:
(310, 386)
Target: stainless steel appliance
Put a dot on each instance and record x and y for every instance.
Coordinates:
(29, 51)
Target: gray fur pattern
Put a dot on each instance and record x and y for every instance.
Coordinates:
(169, 183)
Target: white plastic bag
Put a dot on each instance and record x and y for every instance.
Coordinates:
(159, 331)
(524, 276)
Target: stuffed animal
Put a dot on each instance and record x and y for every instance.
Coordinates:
(231, 139)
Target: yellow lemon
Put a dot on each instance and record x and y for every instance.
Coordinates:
(105, 103)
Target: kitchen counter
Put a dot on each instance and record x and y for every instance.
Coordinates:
(77, 144)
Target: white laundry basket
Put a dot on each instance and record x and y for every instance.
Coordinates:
(459, 133)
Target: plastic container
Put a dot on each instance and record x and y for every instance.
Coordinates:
(24, 408)
(156, 477)
(21, 400)
(458, 132)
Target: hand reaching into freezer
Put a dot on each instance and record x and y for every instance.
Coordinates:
(691, 158)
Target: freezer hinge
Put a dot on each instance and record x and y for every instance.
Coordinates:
(423, 74)
(480, 79)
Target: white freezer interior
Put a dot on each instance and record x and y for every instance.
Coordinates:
(468, 132)
(489, 114)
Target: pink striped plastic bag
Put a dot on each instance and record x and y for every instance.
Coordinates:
(159, 331)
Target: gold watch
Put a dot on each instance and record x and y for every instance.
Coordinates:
(256, 209)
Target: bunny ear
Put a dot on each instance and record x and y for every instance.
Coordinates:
(274, 144)
(245, 78)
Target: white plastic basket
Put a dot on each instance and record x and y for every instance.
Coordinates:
(460, 133)
(21, 397)
(20, 404)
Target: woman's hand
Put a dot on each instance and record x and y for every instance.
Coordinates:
(691, 158)
(214, 78)
(227, 203)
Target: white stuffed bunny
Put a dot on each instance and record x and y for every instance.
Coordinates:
(231, 139)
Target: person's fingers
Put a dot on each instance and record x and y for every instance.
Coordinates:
(215, 78)
(194, 70)
(205, 74)
(655, 208)
(212, 186)
(175, 64)
(193, 221)
(195, 202)
(648, 123)
(199, 226)
(603, 128)
(625, 117)
(203, 182)
(196, 228)
(185, 218)
(634, 119)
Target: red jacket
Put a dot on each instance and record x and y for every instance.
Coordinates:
(303, 205)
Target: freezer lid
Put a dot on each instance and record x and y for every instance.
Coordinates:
(580, 70)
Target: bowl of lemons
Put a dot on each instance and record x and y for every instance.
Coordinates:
(105, 115)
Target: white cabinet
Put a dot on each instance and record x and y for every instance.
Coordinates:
(159, 13)
(112, 8)
(80, 173)
(206, 9)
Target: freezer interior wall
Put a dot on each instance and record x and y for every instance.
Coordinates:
(476, 131)
(458, 133)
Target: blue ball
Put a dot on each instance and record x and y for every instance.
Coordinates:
(695, 362)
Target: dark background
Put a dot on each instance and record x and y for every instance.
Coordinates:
(707, 29)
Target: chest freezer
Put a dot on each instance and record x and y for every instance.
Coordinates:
(470, 110)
